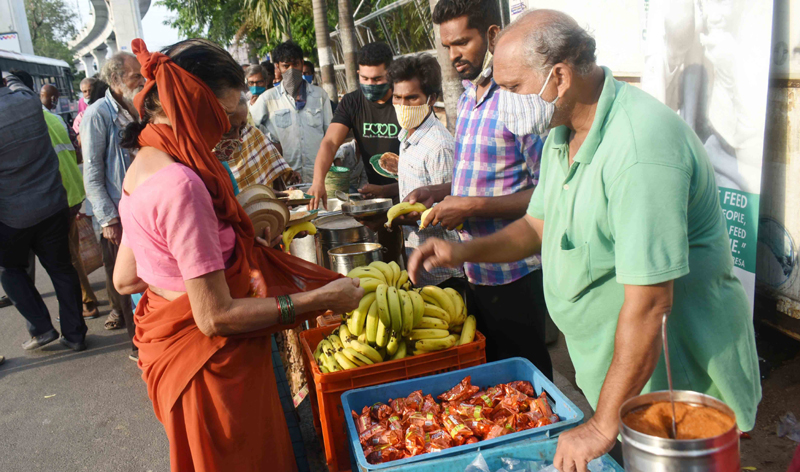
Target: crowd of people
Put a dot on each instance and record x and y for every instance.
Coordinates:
(542, 134)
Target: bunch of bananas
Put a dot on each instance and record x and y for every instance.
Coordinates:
(393, 321)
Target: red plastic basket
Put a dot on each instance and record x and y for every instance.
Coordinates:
(326, 389)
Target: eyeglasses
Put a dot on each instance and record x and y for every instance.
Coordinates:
(256, 83)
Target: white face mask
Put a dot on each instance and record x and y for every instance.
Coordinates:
(526, 114)
(411, 116)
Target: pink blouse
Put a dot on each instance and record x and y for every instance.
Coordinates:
(170, 224)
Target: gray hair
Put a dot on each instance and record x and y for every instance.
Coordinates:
(113, 72)
(256, 69)
(556, 39)
(89, 80)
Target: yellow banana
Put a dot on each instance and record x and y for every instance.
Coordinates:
(468, 331)
(442, 298)
(292, 231)
(344, 334)
(354, 360)
(402, 280)
(458, 303)
(436, 312)
(457, 329)
(343, 361)
(387, 271)
(402, 351)
(423, 221)
(370, 284)
(362, 338)
(432, 323)
(372, 323)
(382, 336)
(428, 333)
(395, 310)
(394, 344)
(323, 369)
(367, 272)
(395, 273)
(337, 343)
(383, 305)
(408, 312)
(436, 344)
(366, 351)
(419, 306)
(400, 209)
(419, 352)
(359, 318)
(381, 351)
(430, 300)
(354, 356)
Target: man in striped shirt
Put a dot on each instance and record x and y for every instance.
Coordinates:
(426, 152)
(493, 179)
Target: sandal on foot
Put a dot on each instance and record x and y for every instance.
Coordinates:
(114, 321)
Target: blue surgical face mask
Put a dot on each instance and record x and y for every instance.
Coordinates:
(308, 78)
(375, 92)
(257, 90)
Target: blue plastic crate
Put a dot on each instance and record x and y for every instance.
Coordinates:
(486, 375)
(532, 449)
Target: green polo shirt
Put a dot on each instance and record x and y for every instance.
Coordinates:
(640, 206)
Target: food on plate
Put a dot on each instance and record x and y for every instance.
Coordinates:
(389, 162)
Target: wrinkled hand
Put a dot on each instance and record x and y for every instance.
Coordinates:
(450, 212)
(113, 233)
(420, 195)
(434, 253)
(342, 295)
(372, 191)
(577, 447)
(319, 196)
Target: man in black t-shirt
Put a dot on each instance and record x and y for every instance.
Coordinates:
(369, 113)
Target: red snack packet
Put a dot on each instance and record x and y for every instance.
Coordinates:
(414, 401)
(437, 441)
(454, 424)
(523, 386)
(398, 405)
(429, 405)
(462, 391)
(363, 422)
(366, 438)
(385, 454)
(489, 398)
(480, 427)
(415, 440)
(471, 440)
(381, 411)
(395, 422)
(427, 421)
(501, 428)
(541, 405)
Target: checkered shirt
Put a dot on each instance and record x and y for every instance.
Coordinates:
(259, 161)
(490, 161)
(426, 158)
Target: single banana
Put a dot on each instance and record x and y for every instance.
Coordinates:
(402, 351)
(395, 310)
(370, 284)
(436, 312)
(417, 334)
(362, 338)
(458, 303)
(396, 273)
(366, 350)
(468, 331)
(372, 323)
(393, 345)
(344, 334)
(323, 369)
(367, 272)
(419, 306)
(408, 312)
(343, 361)
(402, 208)
(359, 318)
(387, 271)
(431, 323)
(382, 336)
(423, 221)
(336, 341)
(292, 231)
(402, 280)
(383, 305)
(354, 360)
(436, 344)
(407, 286)
(429, 299)
(354, 356)
(442, 298)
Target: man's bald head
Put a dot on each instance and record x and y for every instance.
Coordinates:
(49, 96)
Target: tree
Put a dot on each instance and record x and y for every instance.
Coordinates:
(347, 36)
(451, 83)
(52, 23)
(324, 48)
(215, 20)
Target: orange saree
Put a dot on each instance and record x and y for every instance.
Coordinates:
(216, 396)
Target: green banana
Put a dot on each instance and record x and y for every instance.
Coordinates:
(372, 323)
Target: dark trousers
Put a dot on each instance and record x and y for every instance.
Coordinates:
(119, 303)
(512, 317)
(49, 240)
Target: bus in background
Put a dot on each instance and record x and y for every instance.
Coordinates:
(45, 70)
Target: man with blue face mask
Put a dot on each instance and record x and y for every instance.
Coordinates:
(627, 219)
(258, 81)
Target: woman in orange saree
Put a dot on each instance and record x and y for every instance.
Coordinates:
(204, 341)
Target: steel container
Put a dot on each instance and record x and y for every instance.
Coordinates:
(345, 258)
(338, 230)
(645, 453)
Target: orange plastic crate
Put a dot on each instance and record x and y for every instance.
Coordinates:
(326, 389)
(328, 319)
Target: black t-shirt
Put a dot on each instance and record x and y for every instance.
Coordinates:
(374, 126)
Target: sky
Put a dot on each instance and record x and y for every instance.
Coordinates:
(156, 34)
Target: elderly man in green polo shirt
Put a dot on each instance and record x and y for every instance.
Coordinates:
(627, 218)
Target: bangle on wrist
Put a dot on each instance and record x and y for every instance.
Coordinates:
(286, 309)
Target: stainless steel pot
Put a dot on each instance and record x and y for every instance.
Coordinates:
(337, 230)
(645, 453)
(346, 258)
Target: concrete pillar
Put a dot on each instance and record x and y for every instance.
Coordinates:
(127, 22)
(100, 57)
(112, 46)
(88, 64)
